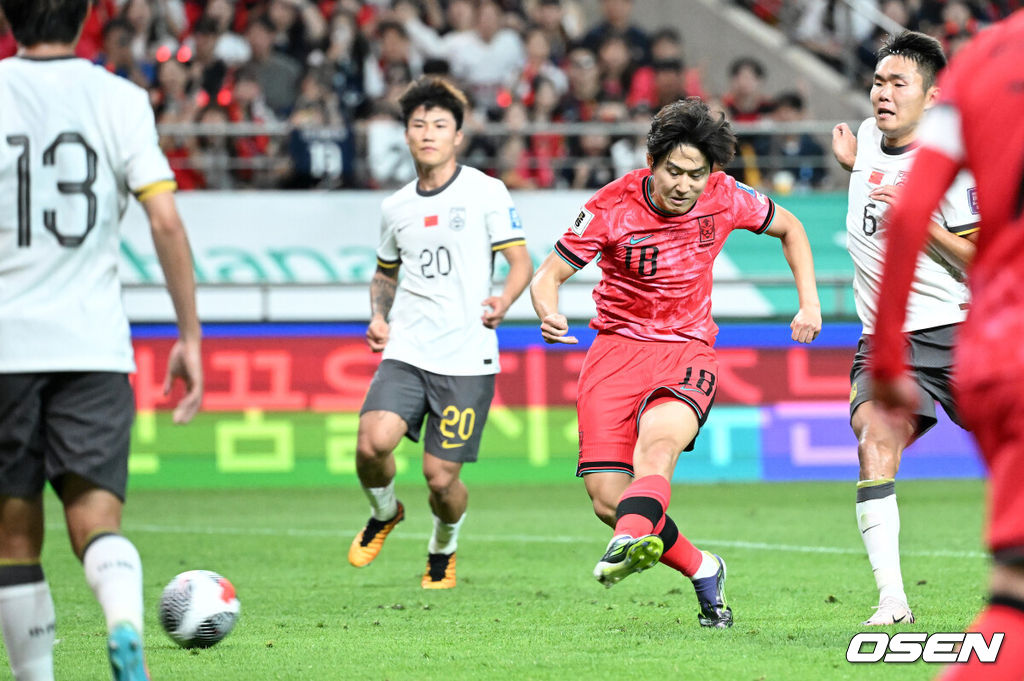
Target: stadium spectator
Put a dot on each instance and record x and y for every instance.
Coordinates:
(630, 151)
(387, 154)
(879, 158)
(515, 164)
(249, 105)
(299, 27)
(320, 146)
(8, 45)
(66, 401)
(231, 47)
(617, 20)
(117, 56)
(440, 355)
(976, 125)
(538, 65)
(667, 44)
(90, 45)
(649, 377)
(827, 28)
(212, 158)
(547, 149)
(346, 55)
(207, 69)
(622, 79)
(593, 167)
(669, 84)
(153, 25)
(278, 74)
(390, 58)
(174, 102)
(580, 102)
(560, 21)
(791, 161)
(486, 59)
(745, 100)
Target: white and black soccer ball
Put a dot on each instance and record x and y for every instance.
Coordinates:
(198, 608)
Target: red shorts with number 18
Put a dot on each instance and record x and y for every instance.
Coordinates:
(621, 378)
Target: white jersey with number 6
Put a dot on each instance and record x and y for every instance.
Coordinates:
(445, 241)
(74, 140)
(939, 294)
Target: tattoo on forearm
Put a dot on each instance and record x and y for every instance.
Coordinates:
(382, 294)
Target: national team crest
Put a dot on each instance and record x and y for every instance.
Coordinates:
(707, 229)
(457, 218)
(901, 177)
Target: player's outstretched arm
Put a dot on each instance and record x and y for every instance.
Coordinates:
(806, 325)
(382, 297)
(551, 274)
(844, 146)
(520, 269)
(172, 249)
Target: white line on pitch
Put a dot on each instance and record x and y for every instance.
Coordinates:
(524, 538)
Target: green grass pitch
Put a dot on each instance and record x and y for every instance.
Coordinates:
(526, 606)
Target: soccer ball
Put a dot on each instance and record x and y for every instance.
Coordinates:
(198, 608)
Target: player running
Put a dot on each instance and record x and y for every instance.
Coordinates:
(74, 140)
(649, 379)
(440, 352)
(977, 124)
(880, 157)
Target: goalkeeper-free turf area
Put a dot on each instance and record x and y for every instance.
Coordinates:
(526, 606)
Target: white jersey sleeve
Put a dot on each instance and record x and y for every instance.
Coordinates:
(387, 253)
(145, 166)
(503, 224)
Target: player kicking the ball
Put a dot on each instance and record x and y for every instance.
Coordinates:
(440, 351)
(650, 377)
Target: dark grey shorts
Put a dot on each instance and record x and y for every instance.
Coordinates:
(931, 363)
(455, 407)
(53, 424)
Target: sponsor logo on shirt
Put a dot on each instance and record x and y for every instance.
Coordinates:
(876, 177)
(972, 200)
(513, 216)
(707, 229)
(582, 220)
(430, 221)
(457, 218)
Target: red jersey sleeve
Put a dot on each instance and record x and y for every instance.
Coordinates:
(751, 210)
(588, 234)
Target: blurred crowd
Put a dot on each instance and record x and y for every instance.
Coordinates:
(848, 41)
(317, 71)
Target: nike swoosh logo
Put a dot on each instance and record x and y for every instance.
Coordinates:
(451, 445)
(900, 618)
(633, 241)
(864, 531)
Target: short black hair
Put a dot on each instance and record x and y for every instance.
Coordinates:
(433, 92)
(924, 50)
(741, 63)
(790, 98)
(45, 21)
(690, 121)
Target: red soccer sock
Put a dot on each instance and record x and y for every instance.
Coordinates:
(679, 553)
(1009, 665)
(642, 506)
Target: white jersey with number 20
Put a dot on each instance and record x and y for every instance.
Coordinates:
(445, 242)
(74, 141)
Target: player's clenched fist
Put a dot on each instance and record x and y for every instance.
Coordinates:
(377, 334)
(554, 327)
(806, 325)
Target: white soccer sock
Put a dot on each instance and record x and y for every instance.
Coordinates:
(383, 504)
(114, 571)
(878, 518)
(29, 622)
(445, 538)
(708, 566)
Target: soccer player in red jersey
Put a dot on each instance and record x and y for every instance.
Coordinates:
(649, 378)
(978, 124)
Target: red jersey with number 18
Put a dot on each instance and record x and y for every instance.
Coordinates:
(656, 266)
